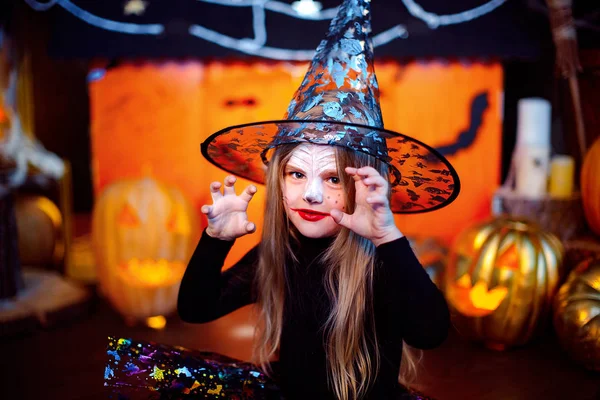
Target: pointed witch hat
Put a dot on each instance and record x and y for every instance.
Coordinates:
(338, 104)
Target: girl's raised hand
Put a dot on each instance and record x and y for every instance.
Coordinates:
(227, 217)
(372, 217)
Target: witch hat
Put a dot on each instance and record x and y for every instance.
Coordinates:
(338, 104)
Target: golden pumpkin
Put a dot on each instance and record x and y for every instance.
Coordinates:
(143, 234)
(590, 186)
(577, 313)
(501, 277)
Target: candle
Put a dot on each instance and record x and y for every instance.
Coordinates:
(533, 122)
(562, 169)
(531, 156)
(531, 167)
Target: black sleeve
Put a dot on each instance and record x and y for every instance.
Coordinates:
(206, 293)
(410, 297)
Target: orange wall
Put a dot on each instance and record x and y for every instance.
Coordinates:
(152, 118)
(432, 103)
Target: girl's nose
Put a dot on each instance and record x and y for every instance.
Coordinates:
(313, 194)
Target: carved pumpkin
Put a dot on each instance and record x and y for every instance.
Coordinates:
(143, 235)
(501, 277)
(577, 314)
(433, 255)
(590, 186)
(187, 101)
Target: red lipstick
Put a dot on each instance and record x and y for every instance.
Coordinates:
(310, 215)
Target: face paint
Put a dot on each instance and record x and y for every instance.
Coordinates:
(312, 189)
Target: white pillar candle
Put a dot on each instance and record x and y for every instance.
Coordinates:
(531, 165)
(531, 156)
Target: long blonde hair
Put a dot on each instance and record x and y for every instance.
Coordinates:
(350, 264)
(351, 343)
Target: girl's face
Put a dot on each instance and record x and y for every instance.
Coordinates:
(312, 188)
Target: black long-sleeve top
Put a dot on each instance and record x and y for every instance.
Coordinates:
(407, 306)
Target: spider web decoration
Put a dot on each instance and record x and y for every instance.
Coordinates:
(261, 10)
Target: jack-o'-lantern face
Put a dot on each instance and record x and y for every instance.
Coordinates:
(477, 299)
(149, 271)
(143, 233)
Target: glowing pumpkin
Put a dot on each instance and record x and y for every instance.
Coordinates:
(590, 186)
(143, 234)
(190, 100)
(501, 277)
(577, 314)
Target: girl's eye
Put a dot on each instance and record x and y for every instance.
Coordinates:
(335, 180)
(296, 174)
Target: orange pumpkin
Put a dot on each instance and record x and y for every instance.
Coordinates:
(187, 102)
(590, 186)
(143, 234)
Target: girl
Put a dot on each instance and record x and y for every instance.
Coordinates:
(337, 287)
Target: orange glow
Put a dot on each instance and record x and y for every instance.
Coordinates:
(158, 322)
(509, 258)
(477, 300)
(485, 299)
(128, 217)
(432, 103)
(464, 282)
(151, 273)
(3, 115)
(177, 222)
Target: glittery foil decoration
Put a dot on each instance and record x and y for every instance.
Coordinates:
(148, 370)
(338, 104)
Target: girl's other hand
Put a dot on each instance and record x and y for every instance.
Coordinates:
(372, 217)
(227, 217)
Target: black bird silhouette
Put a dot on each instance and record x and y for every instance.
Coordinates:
(466, 138)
